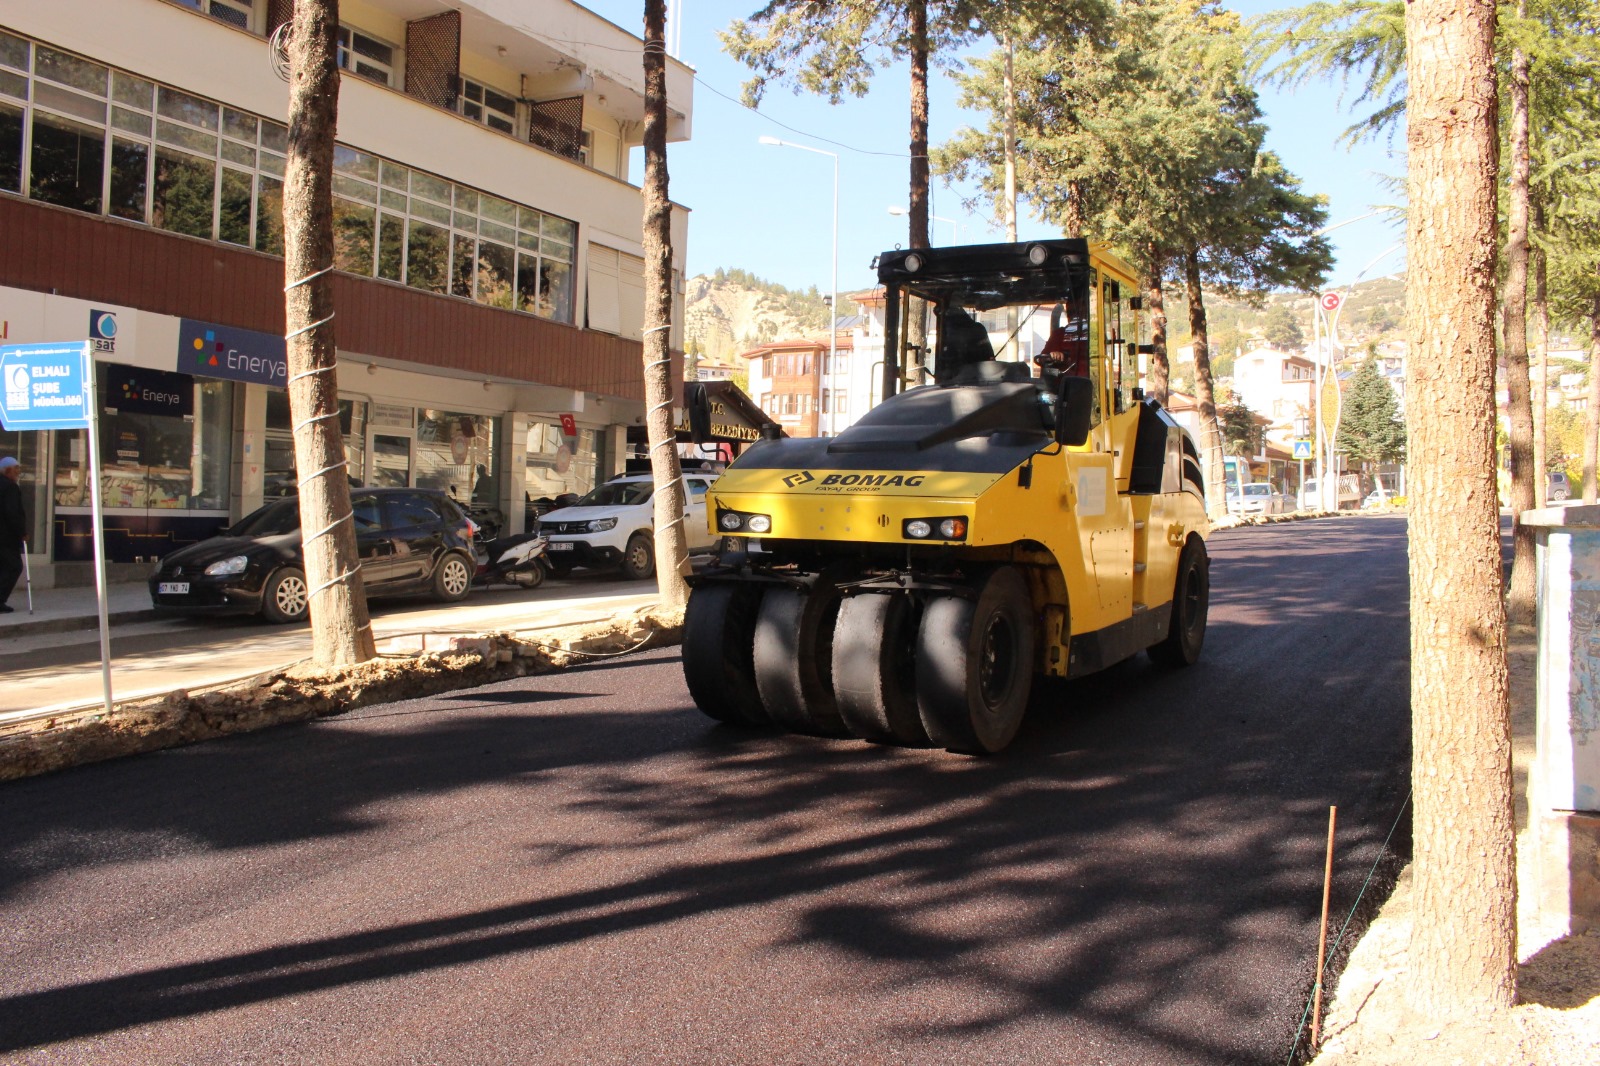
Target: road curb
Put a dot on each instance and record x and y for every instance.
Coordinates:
(76, 622)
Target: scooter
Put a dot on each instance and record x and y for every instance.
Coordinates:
(519, 559)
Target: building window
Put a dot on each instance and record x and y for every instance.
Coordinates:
(366, 56)
(84, 136)
(483, 104)
(234, 12)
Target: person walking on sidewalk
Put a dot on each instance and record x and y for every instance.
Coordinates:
(13, 530)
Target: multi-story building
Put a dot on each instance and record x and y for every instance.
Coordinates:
(1277, 385)
(489, 287)
(798, 387)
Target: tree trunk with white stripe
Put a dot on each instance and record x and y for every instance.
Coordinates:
(672, 543)
(341, 629)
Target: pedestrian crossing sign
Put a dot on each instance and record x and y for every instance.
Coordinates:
(1302, 449)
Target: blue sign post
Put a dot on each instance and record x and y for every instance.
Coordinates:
(45, 386)
(51, 386)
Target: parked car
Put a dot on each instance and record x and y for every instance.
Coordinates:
(1557, 486)
(1381, 496)
(1255, 498)
(409, 540)
(614, 525)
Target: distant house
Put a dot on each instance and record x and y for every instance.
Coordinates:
(795, 384)
(1277, 385)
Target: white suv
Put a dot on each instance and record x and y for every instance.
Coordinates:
(615, 524)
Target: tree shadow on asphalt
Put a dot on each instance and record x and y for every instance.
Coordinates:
(1166, 890)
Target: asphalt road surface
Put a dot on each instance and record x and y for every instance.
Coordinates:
(579, 868)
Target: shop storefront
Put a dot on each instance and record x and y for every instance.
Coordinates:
(195, 432)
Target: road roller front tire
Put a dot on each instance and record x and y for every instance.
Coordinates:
(974, 664)
(718, 648)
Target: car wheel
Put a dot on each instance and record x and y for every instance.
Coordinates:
(639, 557)
(286, 597)
(452, 578)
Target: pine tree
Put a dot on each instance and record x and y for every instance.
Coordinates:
(1370, 427)
(1282, 328)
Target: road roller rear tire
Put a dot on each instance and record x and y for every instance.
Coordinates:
(974, 663)
(793, 657)
(874, 681)
(718, 642)
(1191, 600)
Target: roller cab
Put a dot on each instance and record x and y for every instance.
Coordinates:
(1011, 507)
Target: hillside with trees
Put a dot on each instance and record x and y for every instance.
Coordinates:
(729, 311)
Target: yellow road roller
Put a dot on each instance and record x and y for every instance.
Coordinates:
(1012, 506)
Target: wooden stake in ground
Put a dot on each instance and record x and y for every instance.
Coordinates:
(1322, 937)
(341, 630)
(1463, 945)
(671, 542)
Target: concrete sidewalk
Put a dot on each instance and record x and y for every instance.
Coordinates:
(59, 610)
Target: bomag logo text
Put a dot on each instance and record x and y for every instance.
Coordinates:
(871, 481)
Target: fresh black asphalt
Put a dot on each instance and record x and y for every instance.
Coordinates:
(580, 868)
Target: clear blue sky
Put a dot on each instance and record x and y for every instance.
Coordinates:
(769, 209)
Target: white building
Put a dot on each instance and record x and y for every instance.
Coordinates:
(488, 246)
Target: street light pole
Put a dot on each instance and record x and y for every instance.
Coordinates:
(833, 299)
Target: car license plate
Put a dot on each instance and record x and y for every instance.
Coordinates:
(560, 546)
(173, 588)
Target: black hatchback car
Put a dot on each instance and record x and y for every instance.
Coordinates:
(410, 541)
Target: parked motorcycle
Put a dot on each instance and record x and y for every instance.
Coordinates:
(519, 559)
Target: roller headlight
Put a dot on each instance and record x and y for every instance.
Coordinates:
(952, 528)
(600, 525)
(743, 522)
(913, 263)
(234, 564)
(1037, 254)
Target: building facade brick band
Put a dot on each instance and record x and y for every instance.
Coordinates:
(93, 258)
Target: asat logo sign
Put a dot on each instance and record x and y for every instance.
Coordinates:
(103, 331)
(17, 388)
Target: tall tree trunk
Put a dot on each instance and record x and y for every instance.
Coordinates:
(914, 324)
(1591, 420)
(1204, 396)
(1514, 323)
(1157, 381)
(1462, 956)
(1010, 152)
(341, 629)
(1072, 220)
(917, 209)
(671, 541)
(1541, 355)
